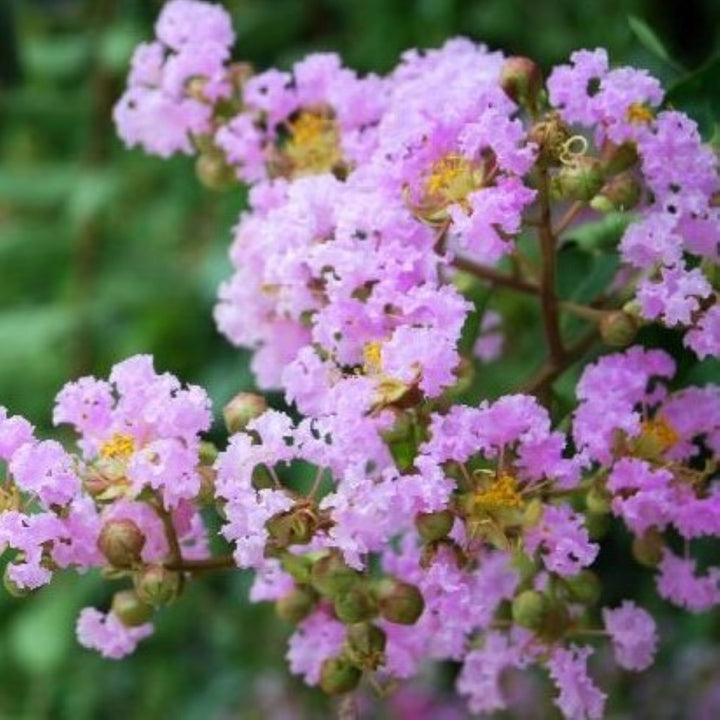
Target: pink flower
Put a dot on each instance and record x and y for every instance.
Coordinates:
(633, 633)
(107, 635)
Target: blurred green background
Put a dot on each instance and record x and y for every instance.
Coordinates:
(106, 252)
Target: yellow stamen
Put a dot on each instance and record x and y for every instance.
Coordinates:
(639, 114)
(314, 144)
(372, 358)
(451, 179)
(118, 447)
(659, 433)
(501, 493)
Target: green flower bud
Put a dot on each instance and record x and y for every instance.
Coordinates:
(621, 193)
(597, 500)
(533, 513)
(529, 608)
(331, 575)
(399, 602)
(435, 525)
(291, 528)
(299, 566)
(213, 172)
(584, 587)
(647, 549)
(354, 606)
(556, 621)
(156, 585)
(129, 609)
(297, 604)
(366, 638)
(597, 525)
(521, 80)
(243, 408)
(580, 180)
(339, 676)
(121, 542)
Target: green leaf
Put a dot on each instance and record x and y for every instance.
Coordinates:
(697, 94)
(650, 41)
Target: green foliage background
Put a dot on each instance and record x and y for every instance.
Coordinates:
(105, 253)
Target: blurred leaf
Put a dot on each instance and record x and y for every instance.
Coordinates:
(697, 94)
(56, 58)
(93, 190)
(602, 234)
(649, 39)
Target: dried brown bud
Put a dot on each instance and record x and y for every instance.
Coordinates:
(399, 602)
(121, 542)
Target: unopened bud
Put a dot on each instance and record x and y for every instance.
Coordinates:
(366, 639)
(206, 494)
(598, 500)
(617, 328)
(399, 602)
(533, 513)
(331, 575)
(208, 453)
(213, 172)
(129, 609)
(579, 180)
(597, 524)
(435, 525)
(619, 194)
(584, 587)
(521, 80)
(299, 566)
(156, 585)
(528, 609)
(647, 549)
(354, 606)
(291, 528)
(121, 542)
(296, 605)
(243, 408)
(555, 621)
(338, 676)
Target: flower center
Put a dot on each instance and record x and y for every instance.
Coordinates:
(659, 434)
(639, 114)
(118, 447)
(451, 179)
(314, 143)
(500, 493)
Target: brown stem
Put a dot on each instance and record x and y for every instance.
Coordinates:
(584, 311)
(551, 369)
(566, 220)
(494, 276)
(548, 301)
(223, 562)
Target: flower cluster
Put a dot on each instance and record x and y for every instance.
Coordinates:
(389, 519)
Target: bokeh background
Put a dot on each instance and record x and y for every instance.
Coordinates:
(105, 252)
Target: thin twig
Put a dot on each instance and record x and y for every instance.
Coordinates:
(548, 300)
(494, 276)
